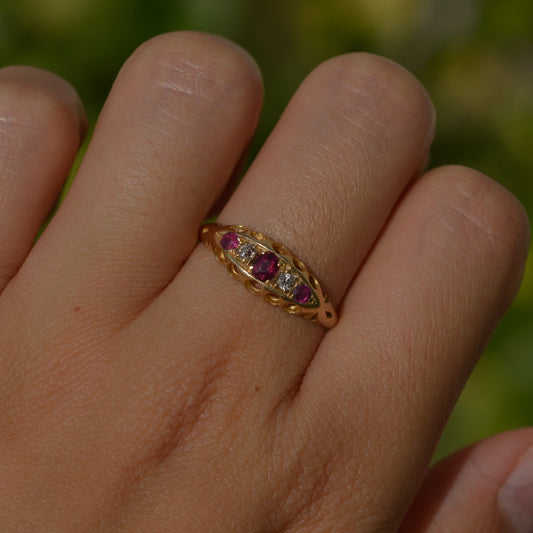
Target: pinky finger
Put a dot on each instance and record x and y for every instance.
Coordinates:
(486, 487)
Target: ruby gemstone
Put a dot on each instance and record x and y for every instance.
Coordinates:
(265, 266)
(229, 241)
(301, 293)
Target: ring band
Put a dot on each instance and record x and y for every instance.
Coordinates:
(269, 269)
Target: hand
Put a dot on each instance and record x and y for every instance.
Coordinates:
(142, 389)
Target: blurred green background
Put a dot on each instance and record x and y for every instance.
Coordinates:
(475, 57)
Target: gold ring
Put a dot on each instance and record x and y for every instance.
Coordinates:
(271, 270)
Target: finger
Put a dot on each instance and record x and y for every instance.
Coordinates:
(461, 492)
(350, 140)
(180, 113)
(41, 125)
(412, 327)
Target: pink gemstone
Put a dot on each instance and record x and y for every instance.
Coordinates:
(229, 241)
(301, 293)
(265, 266)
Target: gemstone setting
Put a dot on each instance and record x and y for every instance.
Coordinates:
(286, 281)
(229, 241)
(301, 293)
(246, 251)
(270, 270)
(265, 266)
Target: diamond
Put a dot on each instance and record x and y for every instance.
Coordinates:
(301, 293)
(265, 266)
(229, 241)
(246, 251)
(285, 281)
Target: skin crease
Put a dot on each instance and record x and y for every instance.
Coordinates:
(142, 389)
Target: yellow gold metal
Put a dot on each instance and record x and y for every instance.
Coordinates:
(316, 308)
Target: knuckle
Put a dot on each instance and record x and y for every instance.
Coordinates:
(171, 90)
(483, 223)
(490, 216)
(34, 103)
(371, 91)
(194, 65)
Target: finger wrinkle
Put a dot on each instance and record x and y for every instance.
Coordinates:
(357, 110)
(165, 112)
(346, 119)
(487, 214)
(157, 133)
(9, 150)
(476, 227)
(11, 122)
(473, 228)
(363, 96)
(188, 86)
(183, 93)
(188, 79)
(381, 91)
(339, 135)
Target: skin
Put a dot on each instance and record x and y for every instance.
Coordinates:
(142, 389)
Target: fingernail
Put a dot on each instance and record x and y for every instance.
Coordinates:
(515, 498)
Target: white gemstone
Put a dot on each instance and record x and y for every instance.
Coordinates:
(246, 251)
(286, 281)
